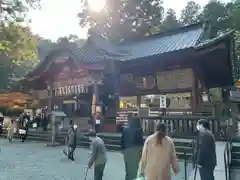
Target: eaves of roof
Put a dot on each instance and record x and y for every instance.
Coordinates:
(209, 42)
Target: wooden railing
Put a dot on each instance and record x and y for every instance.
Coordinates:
(180, 126)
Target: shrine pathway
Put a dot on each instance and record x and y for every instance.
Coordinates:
(35, 161)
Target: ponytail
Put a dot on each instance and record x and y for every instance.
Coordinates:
(161, 132)
(160, 136)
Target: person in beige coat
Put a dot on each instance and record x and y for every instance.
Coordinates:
(158, 156)
(11, 127)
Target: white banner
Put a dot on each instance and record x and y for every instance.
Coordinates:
(163, 101)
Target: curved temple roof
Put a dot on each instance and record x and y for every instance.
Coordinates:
(96, 48)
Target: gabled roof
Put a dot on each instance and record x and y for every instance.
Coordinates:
(169, 41)
(209, 42)
(179, 39)
(96, 48)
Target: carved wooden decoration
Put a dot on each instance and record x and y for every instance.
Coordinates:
(176, 79)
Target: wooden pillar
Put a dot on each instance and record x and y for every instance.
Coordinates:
(50, 95)
(194, 93)
(95, 103)
(139, 101)
(117, 90)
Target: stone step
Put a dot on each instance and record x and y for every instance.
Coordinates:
(111, 147)
(236, 155)
(112, 142)
(109, 139)
(235, 163)
(235, 148)
(234, 174)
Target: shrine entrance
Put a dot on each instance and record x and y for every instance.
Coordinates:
(68, 87)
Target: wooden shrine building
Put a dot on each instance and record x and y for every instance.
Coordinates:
(181, 64)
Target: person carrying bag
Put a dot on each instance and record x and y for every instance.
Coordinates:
(158, 156)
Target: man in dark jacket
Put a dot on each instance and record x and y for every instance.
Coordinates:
(205, 151)
(72, 141)
(25, 120)
(131, 144)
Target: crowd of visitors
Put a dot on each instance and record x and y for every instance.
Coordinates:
(158, 156)
(21, 124)
(152, 159)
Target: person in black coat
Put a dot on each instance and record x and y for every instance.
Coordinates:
(44, 122)
(205, 155)
(37, 120)
(131, 144)
(24, 120)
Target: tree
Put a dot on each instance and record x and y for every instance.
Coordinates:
(73, 38)
(233, 10)
(15, 10)
(170, 21)
(17, 48)
(15, 40)
(123, 19)
(217, 14)
(5, 71)
(234, 14)
(18, 42)
(45, 46)
(190, 14)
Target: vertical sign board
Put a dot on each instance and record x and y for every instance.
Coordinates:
(163, 101)
(97, 116)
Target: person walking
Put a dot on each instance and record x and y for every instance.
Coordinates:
(71, 141)
(131, 145)
(98, 156)
(44, 122)
(11, 127)
(23, 131)
(158, 156)
(37, 120)
(205, 155)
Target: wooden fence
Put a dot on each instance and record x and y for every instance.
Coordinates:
(181, 126)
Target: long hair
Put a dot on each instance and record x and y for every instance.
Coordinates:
(161, 132)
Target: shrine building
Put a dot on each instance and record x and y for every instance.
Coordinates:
(180, 64)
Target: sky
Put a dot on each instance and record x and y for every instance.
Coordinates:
(57, 18)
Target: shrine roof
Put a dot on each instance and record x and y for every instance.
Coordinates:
(179, 39)
(210, 42)
(97, 48)
(174, 40)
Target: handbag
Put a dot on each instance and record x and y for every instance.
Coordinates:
(22, 131)
(34, 125)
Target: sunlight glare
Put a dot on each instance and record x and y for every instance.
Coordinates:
(96, 5)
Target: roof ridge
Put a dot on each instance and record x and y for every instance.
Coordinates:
(99, 41)
(221, 37)
(168, 32)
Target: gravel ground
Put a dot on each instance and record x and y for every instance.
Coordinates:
(35, 161)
